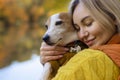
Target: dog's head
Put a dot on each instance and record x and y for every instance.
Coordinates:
(59, 30)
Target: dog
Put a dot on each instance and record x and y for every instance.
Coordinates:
(60, 32)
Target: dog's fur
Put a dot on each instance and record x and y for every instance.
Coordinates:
(59, 32)
(60, 27)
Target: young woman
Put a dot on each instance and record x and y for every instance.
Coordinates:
(98, 25)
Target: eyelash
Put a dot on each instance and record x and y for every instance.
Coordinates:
(77, 28)
(89, 24)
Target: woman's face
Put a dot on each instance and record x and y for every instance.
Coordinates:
(89, 30)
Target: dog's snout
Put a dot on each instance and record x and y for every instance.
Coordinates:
(46, 38)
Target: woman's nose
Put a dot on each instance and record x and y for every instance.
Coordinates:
(83, 34)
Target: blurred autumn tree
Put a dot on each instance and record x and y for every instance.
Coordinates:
(21, 26)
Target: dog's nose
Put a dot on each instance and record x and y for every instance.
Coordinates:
(46, 38)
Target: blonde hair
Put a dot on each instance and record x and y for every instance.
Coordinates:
(106, 12)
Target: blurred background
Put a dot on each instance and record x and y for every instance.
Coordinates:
(21, 29)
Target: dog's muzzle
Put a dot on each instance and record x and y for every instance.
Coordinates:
(46, 39)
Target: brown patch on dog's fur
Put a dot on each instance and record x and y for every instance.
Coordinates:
(67, 19)
(64, 16)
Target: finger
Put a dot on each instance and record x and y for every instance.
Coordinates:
(46, 47)
(52, 53)
(59, 48)
(50, 58)
(53, 48)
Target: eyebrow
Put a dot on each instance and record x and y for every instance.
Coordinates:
(84, 18)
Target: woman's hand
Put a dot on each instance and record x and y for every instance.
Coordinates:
(49, 53)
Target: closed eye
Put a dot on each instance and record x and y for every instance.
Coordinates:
(88, 24)
(58, 22)
(77, 28)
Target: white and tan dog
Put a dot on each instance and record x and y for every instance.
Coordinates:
(59, 29)
(59, 32)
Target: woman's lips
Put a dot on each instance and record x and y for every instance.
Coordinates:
(89, 42)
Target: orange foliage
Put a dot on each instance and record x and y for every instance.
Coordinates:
(21, 27)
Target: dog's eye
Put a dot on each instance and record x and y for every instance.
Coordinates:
(46, 26)
(58, 22)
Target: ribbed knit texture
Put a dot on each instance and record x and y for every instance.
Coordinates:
(88, 64)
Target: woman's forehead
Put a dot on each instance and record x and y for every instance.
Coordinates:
(80, 12)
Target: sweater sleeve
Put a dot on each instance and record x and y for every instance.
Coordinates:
(88, 65)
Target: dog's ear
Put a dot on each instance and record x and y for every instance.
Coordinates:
(65, 16)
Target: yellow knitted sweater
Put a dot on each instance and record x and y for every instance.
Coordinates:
(84, 66)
